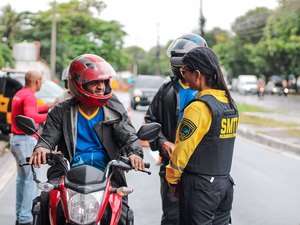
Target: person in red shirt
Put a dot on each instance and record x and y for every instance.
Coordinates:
(24, 103)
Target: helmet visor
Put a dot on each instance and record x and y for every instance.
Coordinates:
(101, 71)
(180, 46)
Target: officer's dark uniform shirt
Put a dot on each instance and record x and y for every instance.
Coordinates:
(195, 132)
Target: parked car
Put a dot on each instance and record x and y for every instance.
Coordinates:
(247, 84)
(10, 82)
(143, 89)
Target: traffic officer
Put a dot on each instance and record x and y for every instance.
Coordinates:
(199, 169)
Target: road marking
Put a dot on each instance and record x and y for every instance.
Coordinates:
(11, 171)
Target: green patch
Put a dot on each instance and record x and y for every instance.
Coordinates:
(290, 133)
(250, 108)
(264, 122)
(294, 132)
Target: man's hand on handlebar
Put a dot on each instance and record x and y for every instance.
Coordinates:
(136, 162)
(38, 156)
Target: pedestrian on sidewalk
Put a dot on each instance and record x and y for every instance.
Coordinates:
(166, 109)
(199, 169)
(25, 103)
(261, 86)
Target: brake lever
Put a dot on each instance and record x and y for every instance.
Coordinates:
(24, 164)
(145, 171)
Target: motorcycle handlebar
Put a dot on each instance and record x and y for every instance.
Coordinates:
(127, 161)
(49, 158)
(147, 165)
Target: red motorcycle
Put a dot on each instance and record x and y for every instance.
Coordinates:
(84, 194)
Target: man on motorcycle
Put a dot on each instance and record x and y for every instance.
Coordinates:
(91, 127)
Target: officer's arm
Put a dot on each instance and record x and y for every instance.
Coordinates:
(194, 125)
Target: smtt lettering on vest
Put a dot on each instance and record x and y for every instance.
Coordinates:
(229, 127)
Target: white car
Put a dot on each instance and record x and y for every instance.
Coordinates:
(247, 84)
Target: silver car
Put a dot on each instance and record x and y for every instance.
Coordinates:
(143, 89)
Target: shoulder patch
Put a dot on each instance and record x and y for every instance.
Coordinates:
(186, 129)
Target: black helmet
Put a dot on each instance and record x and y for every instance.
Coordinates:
(179, 47)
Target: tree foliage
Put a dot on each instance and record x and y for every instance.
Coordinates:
(267, 47)
(78, 32)
(250, 27)
(265, 42)
(6, 59)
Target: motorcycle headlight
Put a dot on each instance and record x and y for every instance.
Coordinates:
(84, 208)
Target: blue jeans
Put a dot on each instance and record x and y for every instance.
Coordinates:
(21, 147)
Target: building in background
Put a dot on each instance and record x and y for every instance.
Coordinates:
(27, 57)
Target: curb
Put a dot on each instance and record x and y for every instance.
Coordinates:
(269, 141)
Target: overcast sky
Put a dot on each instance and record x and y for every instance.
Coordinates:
(150, 21)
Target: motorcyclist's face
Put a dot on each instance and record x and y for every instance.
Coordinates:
(96, 87)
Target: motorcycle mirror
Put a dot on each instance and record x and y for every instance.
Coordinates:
(26, 124)
(149, 131)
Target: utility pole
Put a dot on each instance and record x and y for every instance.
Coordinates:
(158, 71)
(53, 40)
(201, 20)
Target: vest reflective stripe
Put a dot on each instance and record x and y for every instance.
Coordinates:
(213, 155)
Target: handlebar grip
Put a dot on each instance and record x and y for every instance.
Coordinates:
(147, 165)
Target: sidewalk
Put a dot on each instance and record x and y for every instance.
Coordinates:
(275, 137)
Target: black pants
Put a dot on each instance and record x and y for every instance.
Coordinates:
(204, 201)
(170, 203)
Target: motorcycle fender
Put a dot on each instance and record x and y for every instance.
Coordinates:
(115, 202)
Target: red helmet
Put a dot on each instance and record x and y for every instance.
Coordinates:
(86, 68)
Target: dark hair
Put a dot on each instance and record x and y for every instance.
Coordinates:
(206, 61)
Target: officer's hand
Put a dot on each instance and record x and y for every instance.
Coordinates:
(173, 190)
(167, 148)
(38, 157)
(137, 162)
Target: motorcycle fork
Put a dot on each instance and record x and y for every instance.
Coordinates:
(115, 202)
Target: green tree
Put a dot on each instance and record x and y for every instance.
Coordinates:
(215, 36)
(234, 57)
(149, 64)
(282, 38)
(78, 32)
(11, 23)
(250, 27)
(135, 55)
(6, 58)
